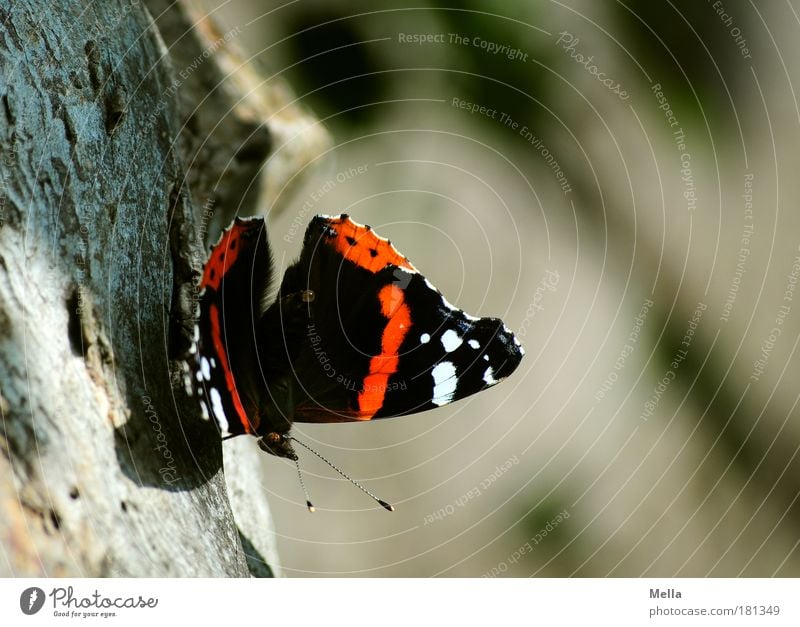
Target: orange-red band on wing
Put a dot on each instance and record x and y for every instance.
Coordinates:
(219, 349)
(382, 366)
(359, 244)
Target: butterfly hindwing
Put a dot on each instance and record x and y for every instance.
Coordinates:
(234, 284)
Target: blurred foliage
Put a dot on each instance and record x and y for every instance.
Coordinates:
(341, 74)
(671, 41)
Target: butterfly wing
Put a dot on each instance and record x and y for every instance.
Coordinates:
(379, 340)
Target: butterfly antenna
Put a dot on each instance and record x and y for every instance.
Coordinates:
(310, 507)
(382, 503)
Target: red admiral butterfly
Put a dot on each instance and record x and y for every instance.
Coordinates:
(355, 333)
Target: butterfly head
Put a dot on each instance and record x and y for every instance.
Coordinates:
(277, 444)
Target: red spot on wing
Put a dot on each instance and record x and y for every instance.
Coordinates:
(381, 367)
(219, 349)
(225, 253)
(359, 244)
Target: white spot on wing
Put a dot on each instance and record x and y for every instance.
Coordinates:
(205, 369)
(424, 338)
(219, 411)
(204, 410)
(486, 357)
(474, 344)
(444, 383)
(451, 340)
(187, 384)
(488, 376)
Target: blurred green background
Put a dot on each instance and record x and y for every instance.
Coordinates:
(626, 202)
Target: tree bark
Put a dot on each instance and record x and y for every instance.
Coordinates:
(130, 135)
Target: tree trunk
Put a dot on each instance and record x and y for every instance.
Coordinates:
(128, 141)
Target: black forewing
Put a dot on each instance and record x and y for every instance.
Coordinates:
(342, 332)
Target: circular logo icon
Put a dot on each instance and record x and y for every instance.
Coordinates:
(31, 600)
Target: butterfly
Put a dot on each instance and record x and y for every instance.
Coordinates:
(355, 333)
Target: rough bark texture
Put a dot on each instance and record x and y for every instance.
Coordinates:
(125, 145)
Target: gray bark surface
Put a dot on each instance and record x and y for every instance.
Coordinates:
(117, 163)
